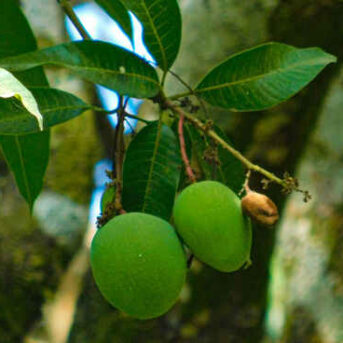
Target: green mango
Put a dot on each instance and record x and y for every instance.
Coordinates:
(209, 218)
(138, 264)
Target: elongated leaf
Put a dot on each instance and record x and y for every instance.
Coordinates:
(55, 105)
(117, 11)
(161, 20)
(12, 87)
(151, 171)
(99, 62)
(28, 155)
(262, 77)
(223, 167)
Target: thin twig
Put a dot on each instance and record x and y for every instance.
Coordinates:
(137, 118)
(212, 134)
(246, 187)
(130, 125)
(129, 115)
(190, 89)
(246, 182)
(189, 170)
(118, 156)
(181, 80)
(102, 110)
(68, 10)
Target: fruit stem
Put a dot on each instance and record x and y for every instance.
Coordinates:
(246, 187)
(189, 170)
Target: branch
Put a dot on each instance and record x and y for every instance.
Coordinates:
(68, 10)
(118, 155)
(115, 206)
(184, 156)
(288, 183)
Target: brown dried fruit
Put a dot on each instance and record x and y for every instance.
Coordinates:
(260, 208)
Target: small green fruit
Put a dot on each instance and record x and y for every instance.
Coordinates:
(138, 264)
(209, 218)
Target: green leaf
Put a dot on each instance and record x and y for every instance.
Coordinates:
(27, 155)
(98, 62)
(117, 11)
(161, 20)
(56, 107)
(227, 169)
(151, 171)
(262, 77)
(12, 87)
(107, 197)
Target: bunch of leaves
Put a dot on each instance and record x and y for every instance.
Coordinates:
(252, 80)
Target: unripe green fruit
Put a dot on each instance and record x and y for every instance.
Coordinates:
(209, 218)
(138, 264)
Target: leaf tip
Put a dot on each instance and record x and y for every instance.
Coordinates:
(332, 58)
(327, 58)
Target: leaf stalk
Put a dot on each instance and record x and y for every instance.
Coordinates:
(70, 13)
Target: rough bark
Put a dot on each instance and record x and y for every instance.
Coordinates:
(307, 288)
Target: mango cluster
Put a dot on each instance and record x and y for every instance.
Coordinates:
(138, 260)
